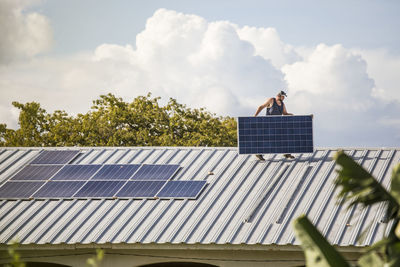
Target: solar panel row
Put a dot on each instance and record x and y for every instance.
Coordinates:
(97, 172)
(275, 134)
(55, 157)
(102, 189)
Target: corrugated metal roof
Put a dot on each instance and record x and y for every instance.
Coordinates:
(245, 202)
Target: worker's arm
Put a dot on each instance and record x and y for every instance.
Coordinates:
(266, 104)
(285, 111)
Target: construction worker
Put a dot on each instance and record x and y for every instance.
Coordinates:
(275, 106)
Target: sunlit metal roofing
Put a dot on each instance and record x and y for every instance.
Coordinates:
(246, 201)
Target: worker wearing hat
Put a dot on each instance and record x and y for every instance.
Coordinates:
(274, 106)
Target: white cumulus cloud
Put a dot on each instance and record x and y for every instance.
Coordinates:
(226, 68)
(23, 35)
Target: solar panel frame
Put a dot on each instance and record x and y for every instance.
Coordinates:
(36, 173)
(156, 172)
(58, 189)
(99, 189)
(116, 172)
(55, 157)
(182, 189)
(140, 189)
(74, 172)
(275, 134)
(19, 189)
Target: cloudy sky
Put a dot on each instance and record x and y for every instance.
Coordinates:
(338, 60)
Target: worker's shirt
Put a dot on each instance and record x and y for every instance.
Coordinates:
(275, 109)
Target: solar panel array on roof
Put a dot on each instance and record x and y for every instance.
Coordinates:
(76, 172)
(55, 157)
(42, 178)
(182, 189)
(275, 134)
(156, 172)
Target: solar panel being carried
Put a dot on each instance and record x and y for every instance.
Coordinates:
(275, 134)
(55, 157)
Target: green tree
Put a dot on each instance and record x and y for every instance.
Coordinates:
(114, 122)
(357, 186)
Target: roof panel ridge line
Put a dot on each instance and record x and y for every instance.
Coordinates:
(237, 205)
(12, 164)
(263, 195)
(101, 152)
(256, 200)
(110, 156)
(31, 216)
(381, 211)
(68, 222)
(339, 203)
(13, 219)
(239, 184)
(134, 212)
(63, 211)
(7, 212)
(150, 152)
(324, 178)
(176, 211)
(137, 153)
(215, 215)
(219, 159)
(161, 154)
(366, 210)
(205, 206)
(309, 176)
(288, 193)
(202, 164)
(275, 192)
(350, 212)
(261, 210)
(171, 157)
(86, 154)
(120, 213)
(122, 156)
(157, 218)
(135, 226)
(96, 220)
(40, 222)
(311, 201)
(187, 167)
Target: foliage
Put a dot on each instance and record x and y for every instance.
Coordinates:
(113, 122)
(95, 261)
(357, 186)
(15, 257)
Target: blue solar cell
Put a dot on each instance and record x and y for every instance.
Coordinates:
(140, 189)
(36, 172)
(58, 189)
(19, 189)
(116, 172)
(275, 134)
(181, 189)
(55, 157)
(76, 172)
(100, 189)
(156, 172)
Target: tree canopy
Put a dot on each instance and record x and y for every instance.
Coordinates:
(114, 122)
